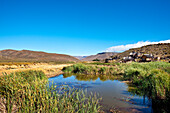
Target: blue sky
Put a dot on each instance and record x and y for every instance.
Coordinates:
(81, 27)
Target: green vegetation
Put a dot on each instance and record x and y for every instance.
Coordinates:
(29, 91)
(153, 78)
(96, 59)
(91, 70)
(104, 64)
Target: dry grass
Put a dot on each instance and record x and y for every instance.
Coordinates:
(49, 69)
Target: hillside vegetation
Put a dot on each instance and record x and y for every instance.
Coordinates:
(99, 56)
(158, 50)
(27, 55)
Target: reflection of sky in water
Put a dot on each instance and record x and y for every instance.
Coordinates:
(114, 93)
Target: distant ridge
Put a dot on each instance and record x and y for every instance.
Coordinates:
(80, 57)
(27, 55)
(100, 56)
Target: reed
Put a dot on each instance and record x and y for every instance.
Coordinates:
(91, 70)
(152, 78)
(29, 92)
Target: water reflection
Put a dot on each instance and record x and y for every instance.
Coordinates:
(91, 77)
(158, 105)
(114, 93)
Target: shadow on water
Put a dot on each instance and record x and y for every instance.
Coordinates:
(116, 95)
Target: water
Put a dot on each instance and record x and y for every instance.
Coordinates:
(114, 93)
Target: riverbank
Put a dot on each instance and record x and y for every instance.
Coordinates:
(28, 92)
(114, 93)
(149, 79)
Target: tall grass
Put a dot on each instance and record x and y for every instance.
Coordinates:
(29, 92)
(152, 78)
(91, 70)
(106, 64)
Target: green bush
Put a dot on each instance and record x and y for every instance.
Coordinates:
(96, 59)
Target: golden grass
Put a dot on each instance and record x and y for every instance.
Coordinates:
(49, 69)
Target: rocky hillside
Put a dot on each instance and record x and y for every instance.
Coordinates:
(161, 50)
(100, 56)
(27, 55)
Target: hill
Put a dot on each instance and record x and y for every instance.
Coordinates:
(27, 55)
(100, 56)
(80, 57)
(158, 50)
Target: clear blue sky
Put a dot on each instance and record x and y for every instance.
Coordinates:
(81, 27)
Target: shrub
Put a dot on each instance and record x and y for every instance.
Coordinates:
(96, 59)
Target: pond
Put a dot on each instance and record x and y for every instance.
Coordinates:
(114, 93)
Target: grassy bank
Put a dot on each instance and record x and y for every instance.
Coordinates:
(153, 78)
(28, 92)
(92, 69)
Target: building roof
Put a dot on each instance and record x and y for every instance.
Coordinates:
(148, 55)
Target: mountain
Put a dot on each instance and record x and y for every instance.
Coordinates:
(100, 56)
(27, 55)
(158, 50)
(80, 57)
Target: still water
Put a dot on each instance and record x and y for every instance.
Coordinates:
(114, 93)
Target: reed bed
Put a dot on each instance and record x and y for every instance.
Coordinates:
(29, 92)
(152, 78)
(92, 70)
